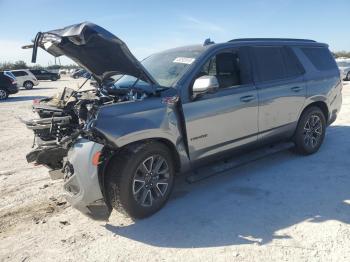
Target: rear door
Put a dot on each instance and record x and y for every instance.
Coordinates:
(223, 120)
(279, 78)
(45, 75)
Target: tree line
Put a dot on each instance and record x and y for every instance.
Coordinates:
(341, 54)
(20, 64)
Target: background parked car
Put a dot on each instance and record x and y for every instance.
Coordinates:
(81, 73)
(62, 71)
(72, 71)
(8, 85)
(344, 67)
(42, 74)
(25, 78)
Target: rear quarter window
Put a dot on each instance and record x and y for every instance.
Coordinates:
(320, 57)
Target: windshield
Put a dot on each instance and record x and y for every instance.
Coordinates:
(343, 64)
(165, 67)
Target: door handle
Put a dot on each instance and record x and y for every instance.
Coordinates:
(247, 99)
(296, 89)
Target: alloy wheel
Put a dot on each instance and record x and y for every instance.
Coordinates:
(151, 180)
(3, 94)
(28, 85)
(312, 131)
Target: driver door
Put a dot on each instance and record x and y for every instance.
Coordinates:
(227, 118)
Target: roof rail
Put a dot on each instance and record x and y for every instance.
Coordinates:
(272, 39)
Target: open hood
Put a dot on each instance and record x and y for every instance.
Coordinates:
(94, 48)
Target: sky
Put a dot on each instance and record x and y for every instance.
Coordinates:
(151, 26)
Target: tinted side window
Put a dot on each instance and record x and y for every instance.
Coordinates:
(268, 63)
(19, 73)
(292, 64)
(273, 63)
(320, 57)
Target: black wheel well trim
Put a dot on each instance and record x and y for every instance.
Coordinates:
(322, 106)
(133, 146)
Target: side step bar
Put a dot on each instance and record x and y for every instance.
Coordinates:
(237, 161)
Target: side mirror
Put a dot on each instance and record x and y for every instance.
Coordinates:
(204, 84)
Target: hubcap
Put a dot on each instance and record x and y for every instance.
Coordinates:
(313, 131)
(2, 94)
(28, 85)
(151, 180)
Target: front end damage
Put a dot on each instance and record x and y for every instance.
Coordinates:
(81, 180)
(64, 139)
(61, 120)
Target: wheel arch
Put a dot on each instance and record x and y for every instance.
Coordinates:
(110, 154)
(321, 105)
(26, 81)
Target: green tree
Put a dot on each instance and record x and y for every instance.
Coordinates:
(341, 54)
(20, 65)
(12, 66)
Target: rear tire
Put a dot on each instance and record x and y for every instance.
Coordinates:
(28, 85)
(3, 94)
(139, 180)
(54, 78)
(310, 131)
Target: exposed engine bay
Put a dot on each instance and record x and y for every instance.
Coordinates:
(119, 78)
(65, 116)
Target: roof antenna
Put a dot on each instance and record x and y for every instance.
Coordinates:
(208, 42)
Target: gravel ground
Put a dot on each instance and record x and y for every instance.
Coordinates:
(282, 208)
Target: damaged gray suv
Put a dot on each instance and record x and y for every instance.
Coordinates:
(121, 144)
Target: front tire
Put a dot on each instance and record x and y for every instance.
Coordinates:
(140, 179)
(28, 85)
(310, 131)
(54, 78)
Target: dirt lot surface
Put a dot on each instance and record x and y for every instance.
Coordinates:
(282, 208)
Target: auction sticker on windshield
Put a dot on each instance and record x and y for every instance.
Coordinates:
(184, 60)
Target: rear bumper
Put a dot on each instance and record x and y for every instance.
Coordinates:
(335, 104)
(81, 187)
